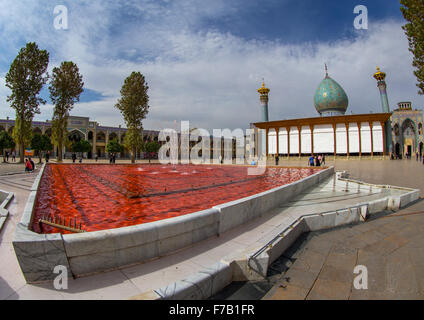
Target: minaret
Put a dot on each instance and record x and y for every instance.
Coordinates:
(381, 84)
(264, 101)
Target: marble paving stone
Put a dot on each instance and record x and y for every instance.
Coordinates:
(343, 248)
(344, 275)
(341, 261)
(299, 278)
(36, 292)
(289, 293)
(397, 240)
(321, 246)
(329, 290)
(108, 285)
(400, 275)
(416, 255)
(159, 273)
(310, 261)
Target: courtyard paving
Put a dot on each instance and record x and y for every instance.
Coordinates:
(128, 282)
(391, 247)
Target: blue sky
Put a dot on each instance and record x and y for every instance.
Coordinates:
(204, 60)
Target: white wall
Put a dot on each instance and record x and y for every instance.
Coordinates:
(341, 138)
(365, 137)
(294, 140)
(353, 138)
(283, 141)
(377, 132)
(323, 139)
(306, 140)
(272, 141)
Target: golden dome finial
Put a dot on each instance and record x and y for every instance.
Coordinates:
(379, 76)
(263, 90)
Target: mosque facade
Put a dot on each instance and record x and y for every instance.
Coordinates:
(83, 128)
(407, 125)
(338, 134)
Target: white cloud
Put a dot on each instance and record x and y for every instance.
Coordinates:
(211, 78)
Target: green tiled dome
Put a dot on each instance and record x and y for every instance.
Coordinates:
(330, 97)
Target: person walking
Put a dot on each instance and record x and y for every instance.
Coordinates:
(13, 156)
(311, 161)
(277, 158)
(323, 159)
(74, 157)
(317, 162)
(47, 156)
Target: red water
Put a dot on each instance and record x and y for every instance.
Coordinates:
(112, 196)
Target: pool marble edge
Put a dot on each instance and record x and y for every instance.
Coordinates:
(5, 198)
(110, 249)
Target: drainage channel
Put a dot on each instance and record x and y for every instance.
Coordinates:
(256, 290)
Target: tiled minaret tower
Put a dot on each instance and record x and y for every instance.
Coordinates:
(381, 84)
(264, 102)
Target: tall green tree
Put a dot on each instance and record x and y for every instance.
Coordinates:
(413, 12)
(41, 143)
(65, 88)
(6, 142)
(81, 146)
(114, 146)
(26, 77)
(151, 148)
(134, 106)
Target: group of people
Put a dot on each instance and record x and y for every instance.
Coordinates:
(7, 155)
(112, 158)
(316, 161)
(29, 165)
(74, 158)
(418, 156)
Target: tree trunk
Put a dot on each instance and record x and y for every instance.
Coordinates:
(21, 141)
(59, 151)
(21, 152)
(133, 155)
